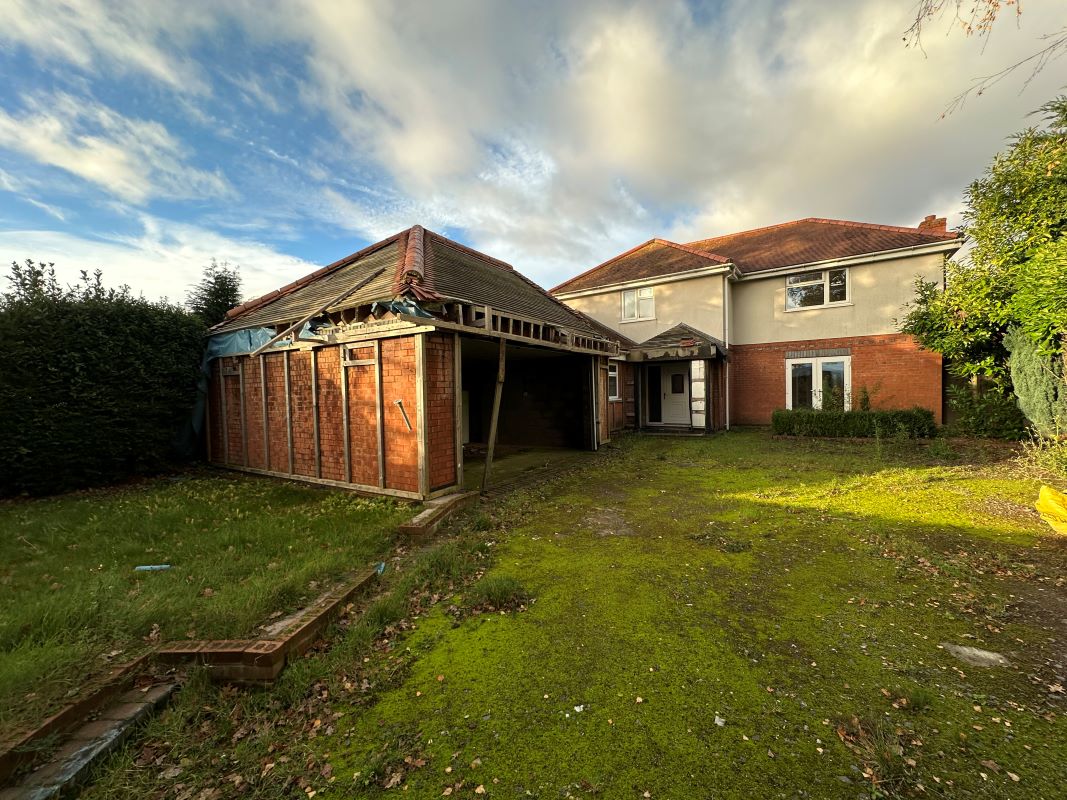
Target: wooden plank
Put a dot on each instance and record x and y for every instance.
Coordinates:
(263, 398)
(359, 362)
(457, 378)
(241, 399)
(356, 487)
(288, 412)
(422, 429)
(495, 418)
(379, 411)
(315, 411)
(344, 420)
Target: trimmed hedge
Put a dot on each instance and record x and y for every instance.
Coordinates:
(95, 383)
(914, 423)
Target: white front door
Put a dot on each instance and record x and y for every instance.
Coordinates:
(674, 393)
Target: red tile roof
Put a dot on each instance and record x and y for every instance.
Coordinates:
(803, 241)
(653, 259)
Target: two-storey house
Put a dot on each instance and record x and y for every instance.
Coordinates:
(798, 315)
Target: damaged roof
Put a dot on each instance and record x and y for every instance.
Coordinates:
(681, 335)
(803, 241)
(417, 264)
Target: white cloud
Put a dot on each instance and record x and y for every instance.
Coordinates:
(164, 259)
(128, 36)
(133, 159)
(557, 134)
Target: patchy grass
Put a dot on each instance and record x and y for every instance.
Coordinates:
(498, 593)
(239, 549)
(732, 617)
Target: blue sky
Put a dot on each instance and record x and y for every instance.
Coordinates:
(146, 138)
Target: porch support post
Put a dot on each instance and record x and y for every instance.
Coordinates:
(709, 424)
(639, 387)
(495, 419)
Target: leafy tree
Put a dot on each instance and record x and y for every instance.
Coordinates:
(94, 381)
(1015, 220)
(218, 290)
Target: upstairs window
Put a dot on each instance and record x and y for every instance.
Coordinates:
(815, 289)
(638, 304)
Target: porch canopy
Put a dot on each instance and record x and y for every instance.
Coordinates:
(680, 380)
(680, 343)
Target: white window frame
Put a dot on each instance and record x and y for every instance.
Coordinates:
(613, 372)
(647, 293)
(816, 379)
(825, 289)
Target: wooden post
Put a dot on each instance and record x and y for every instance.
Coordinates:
(422, 430)
(207, 411)
(495, 418)
(225, 413)
(341, 353)
(379, 411)
(263, 398)
(457, 379)
(241, 399)
(315, 411)
(288, 412)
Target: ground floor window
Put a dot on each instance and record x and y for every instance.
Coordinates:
(613, 381)
(824, 383)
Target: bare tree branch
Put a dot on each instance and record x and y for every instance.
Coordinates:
(976, 18)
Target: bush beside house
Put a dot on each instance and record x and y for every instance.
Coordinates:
(94, 382)
(914, 423)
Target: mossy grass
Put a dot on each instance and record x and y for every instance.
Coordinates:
(755, 617)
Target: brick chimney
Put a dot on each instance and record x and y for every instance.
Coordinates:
(934, 224)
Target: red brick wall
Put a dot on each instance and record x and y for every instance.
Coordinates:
(302, 412)
(440, 409)
(277, 433)
(398, 383)
(892, 367)
(331, 419)
(254, 413)
(363, 418)
(401, 444)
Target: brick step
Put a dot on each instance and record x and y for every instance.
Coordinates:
(71, 764)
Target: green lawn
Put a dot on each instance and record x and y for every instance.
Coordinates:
(240, 549)
(735, 617)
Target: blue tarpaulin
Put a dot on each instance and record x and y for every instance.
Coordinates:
(230, 343)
